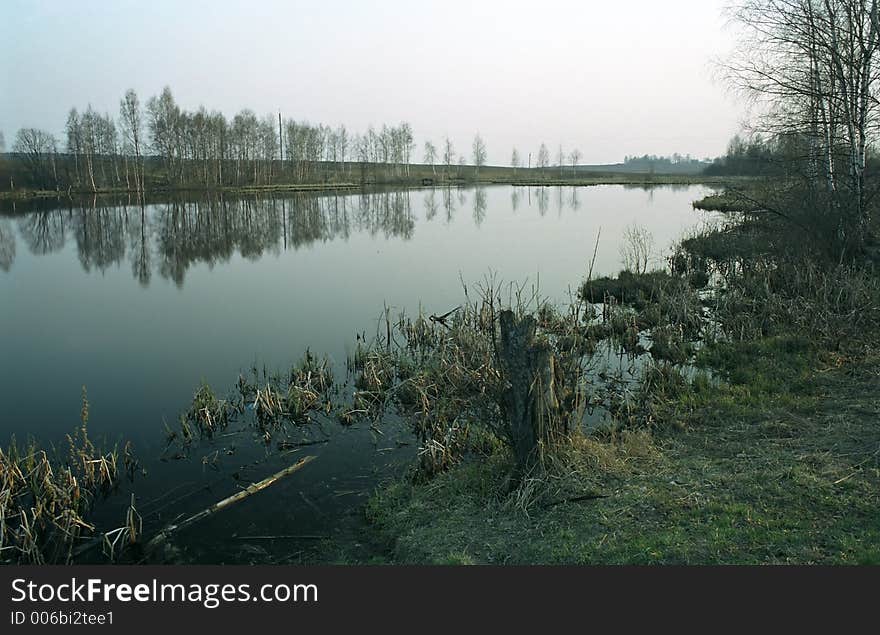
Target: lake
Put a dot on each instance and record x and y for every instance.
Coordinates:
(142, 303)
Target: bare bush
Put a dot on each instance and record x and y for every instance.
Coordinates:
(636, 246)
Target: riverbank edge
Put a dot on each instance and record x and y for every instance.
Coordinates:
(623, 179)
(751, 471)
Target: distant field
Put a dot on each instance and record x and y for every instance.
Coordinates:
(16, 185)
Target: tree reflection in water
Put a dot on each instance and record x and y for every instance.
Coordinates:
(168, 238)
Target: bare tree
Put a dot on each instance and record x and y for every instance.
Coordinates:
(515, 161)
(37, 149)
(448, 155)
(573, 158)
(74, 143)
(479, 150)
(163, 119)
(810, 65)
(543, 158)
(635, 248)
(405, 135)
(132, 124)
(430, 155)
(342, 142)
(2, 143)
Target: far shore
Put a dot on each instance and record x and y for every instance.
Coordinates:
(645, 180)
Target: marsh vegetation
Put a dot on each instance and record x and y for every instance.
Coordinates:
(620, 387)
(619, 382)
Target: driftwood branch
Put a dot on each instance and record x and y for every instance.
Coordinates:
(253, 488)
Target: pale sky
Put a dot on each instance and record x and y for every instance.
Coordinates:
(610, 78)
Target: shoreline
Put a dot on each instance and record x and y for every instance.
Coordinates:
(634, 180)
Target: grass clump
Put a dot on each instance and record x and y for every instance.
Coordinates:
(669, 344)
(207, 414)
(45, 498)
(448, 376)
(637, 290)
(728, 201)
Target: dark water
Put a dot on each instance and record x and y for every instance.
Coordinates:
(140, 304)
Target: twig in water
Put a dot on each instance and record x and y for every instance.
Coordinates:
(163, 535)
(595, 251)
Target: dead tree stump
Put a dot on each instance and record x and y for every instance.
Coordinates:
(529, 400)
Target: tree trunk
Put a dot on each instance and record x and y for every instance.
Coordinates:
(529, 402)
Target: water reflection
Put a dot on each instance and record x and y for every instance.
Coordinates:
(448, 204)
(574, 201)
(543, 201)
(169, 238)
(479, 206)
(115, 294)
(430, 203)
(44, 233)
(7, 245)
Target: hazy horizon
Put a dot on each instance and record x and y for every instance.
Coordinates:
(631, 79)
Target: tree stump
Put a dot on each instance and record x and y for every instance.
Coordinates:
(529, 401)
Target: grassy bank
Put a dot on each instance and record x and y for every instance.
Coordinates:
(768, 454)
(751, 471)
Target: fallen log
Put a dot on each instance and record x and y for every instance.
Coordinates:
(251, 489)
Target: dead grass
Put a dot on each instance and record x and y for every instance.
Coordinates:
(45, 498)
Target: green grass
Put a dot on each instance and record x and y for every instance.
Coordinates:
(772, 366)
(779, 464)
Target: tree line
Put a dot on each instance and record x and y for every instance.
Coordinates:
(158, 144)
(754, 156)
(161, 142)
(810, 67)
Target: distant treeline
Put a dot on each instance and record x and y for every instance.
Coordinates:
(162, 145)
(755, 156)
(653, 164)
(779, 155)
(159, 145)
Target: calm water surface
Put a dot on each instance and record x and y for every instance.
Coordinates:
(140, 304)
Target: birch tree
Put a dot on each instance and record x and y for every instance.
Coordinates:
(448, 155)
(163, 117)
(543, 158)
(131, 124)
(430, 156)
(810, 66)
(574, 157)
(479, 151)
(74, 143)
